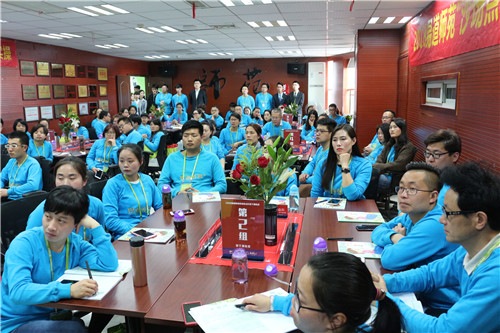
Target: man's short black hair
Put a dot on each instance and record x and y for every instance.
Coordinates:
(265, 84)
(450, 139)
(137, 93)
(154, 86)
(192, 124)
(135, 118)
(126, 120)
(232, 104)
(328, 122)
(178, 85)
(296, 82)
(22, 136)
(393, 113)
(69, 201)
(144, 115)
(478, 189)
(432, 174)
(103, 114)
(196, 80)
(137, 87)
(235, 115)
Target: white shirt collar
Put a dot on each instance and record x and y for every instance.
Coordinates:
(470, 264)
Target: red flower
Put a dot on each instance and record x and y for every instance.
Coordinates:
(67, 119)
(236, 174)
(255, 180)
(263, 162)
(239, 168)
(284, 105)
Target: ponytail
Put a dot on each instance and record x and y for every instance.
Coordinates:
(388, 317)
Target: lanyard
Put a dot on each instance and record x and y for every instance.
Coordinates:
(331, 184)
(19, 167)
(487, 254)
(104, 154)
(184, 168)
(231, 133)
(278, 131)
(43, 146)
(319, 159)
(50, 256)
(209, 144)
(136, 198)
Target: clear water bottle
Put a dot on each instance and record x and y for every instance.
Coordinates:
(180, 227)
(293, 206)
(166, 192)
(319, 246)
(239, 266)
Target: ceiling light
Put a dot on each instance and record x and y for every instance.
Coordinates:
(148, 57)
(291, 37)
(102, 46)
(164, 56)
(213, 54)
(282, 23)
(155, 29)
(202, 41)
(181, 41)
(191, 41)
(121, 45)
(269, 39)
(166, 27)
(111, 46)
(280, 38)
(227, 3)
(253, 24)
(81, 11)
(221, 53)
(405, 19)
(265, 2)
(267, 23)
(99, 10)
(115, 9)
(373, 20)
(389, 19)
(229, 53)
(69, 35)
(2, 21)
(58, 36)
(247, 2)
(49, 36)
(144, 30)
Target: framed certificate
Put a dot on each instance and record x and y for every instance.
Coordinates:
(44, 91)
(69, 70)
(58, 91)
(31, 113)
(59, 109)
(57, 70)
(72, 109)
(103, 90)
(46, 112)
(103, 104)
(82, 91)
(70, 91)
(42, 68)
(92, 90)
(92, 72)
(83, 109)
(27, 68)
(81, 71)
(93, 106)
(29, 92)
(102, 74)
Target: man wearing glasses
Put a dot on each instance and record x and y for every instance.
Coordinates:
(416, 238)
(23, 173)
(442, 149)
(276, 125)
(129, 134)
(471, 218)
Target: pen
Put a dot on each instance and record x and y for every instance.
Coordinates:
(320, 201)
(340, 238)
(88, 269)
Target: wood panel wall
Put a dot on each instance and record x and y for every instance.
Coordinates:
(377, 79)
(12, 104)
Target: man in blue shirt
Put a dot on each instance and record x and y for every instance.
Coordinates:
(276, 125)
(102, 122)
(23, 173)
(164, 99)
(138, 126)
(263, 99)
(129, 134)
(471, 218)
(334, 113)
(179, 97)
(416, 238)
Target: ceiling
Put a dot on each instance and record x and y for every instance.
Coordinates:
(320, 27)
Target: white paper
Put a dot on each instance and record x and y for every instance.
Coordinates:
(31, 113)
(47, 112)
(206, 196)
(223, 316)
(411, 300)
(83, 108)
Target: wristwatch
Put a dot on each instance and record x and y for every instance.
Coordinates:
(346, 170)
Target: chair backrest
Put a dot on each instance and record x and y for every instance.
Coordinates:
(92, 133)
(95, 188)
(47, 177)
(233, 188)
(15, 215)
(4, 150)
(5, 159)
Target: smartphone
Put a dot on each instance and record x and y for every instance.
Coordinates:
(69, 281)
(335, 201)
(99, 174)
(188, 319)
(185, 211)
(143, 233)
(366, 227)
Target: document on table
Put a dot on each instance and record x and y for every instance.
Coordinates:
(330, 203)
(360, 217)
(223, 316)
(361, 249)
(206, 196)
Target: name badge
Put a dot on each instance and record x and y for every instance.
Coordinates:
(185, 186)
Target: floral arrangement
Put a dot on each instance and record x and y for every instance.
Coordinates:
(261, 175)
(69, 121)
(158, 112)
(291, 109)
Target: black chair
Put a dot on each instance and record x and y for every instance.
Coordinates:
(371, 190)
(5, 159)
(4, 149)
(233, 188)
(161, 157)
(92, 133)
(95, 188)
(47, 177)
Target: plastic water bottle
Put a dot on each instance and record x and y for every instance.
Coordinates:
(239, 266)
(180, 227)
(293, 206)
(319, 246)
(166, 192)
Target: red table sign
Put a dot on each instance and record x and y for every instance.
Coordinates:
(288, 118)
(243, 227)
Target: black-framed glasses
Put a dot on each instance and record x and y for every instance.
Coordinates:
(322, 131)
(457, 212)
(435, 156)
(297, 305)
(410, 191)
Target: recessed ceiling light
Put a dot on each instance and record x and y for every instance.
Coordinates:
(247, 2)
(229, 53)
(181, 41)
(405, 19)
(373, 20)
(144, 30)
(155, 29)
(227, 3)
(269, 39)
(282, 23)
(115, 9)
(291, 37)
(148, 57)
(166, 27)
(81, 11)
(60, 36)
(202, 41)
(265, 2)
(191, 41)
(2, 21)
(253, 24)
(99, 10)
(389, 19)
(111, 46)
(164, 56)
(267, 23)
(280, 38)
(49, 36)
(221, 53)
(121, 45)
(213, 54)
(70, 35)
(102, 46)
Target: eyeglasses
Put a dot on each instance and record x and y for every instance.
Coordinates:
(298, 305)
(383, 118)
(435, 156)
(410, 191)
(12, 145)
(322, 131)
(457, 212)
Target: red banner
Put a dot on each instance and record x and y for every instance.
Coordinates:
(447, 28)
(8, 57)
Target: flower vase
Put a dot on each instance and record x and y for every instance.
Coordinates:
(65, 138)
(271, 224)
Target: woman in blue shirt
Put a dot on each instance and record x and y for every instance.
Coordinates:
(156, 134)
(253, 137)
(198, 115)
(344, 173)
(308, 132)
(333, 292)
(245, 99)
(257, 117)
(129, 196)
(211, 143)
(383, 136)
(179, 117)
(21, 126)
(266, 117)
(232, 136)
(38, 146)
(104, 151)
(70, 171)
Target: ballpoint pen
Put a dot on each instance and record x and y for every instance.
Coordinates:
(340, 238)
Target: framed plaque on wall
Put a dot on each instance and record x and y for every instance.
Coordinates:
(70, 91)
(27, 68)
(82, 91)
(59, 109)
(29, 92)
(69, 70)
(58, 91)
(103, 104)
(57, 70)
(102, 74)
(44, 91)
(46, 112)
(42, 68)
(31, 113)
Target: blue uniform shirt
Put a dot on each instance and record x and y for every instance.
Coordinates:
(4, 139)
(83, 131)
(132, 137)
(308, 135)
(154, 142)
(45, 150)
(214, 147)
(264, 101)
(144, 130)
(219, 121)
(100, 156)
(180, 99)
(246, 101)
(99, 127)
(181, 119)
(167, 99)
(312, 165)
(227, 138)
(21, 179)
(270, 130)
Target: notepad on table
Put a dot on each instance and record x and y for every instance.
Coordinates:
(162, 235)
(363, 217)
(330, 203)
(206, 196)
(361, 249)
(105, 280)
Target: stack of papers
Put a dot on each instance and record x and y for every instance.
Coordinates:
(223, 316)
(363, 217)
(162, 235)
(206, 196)
(361, 249)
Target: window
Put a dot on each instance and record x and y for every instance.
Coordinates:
(442, 93)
